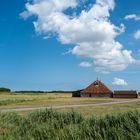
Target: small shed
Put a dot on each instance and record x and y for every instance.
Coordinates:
(125, 94)
(77, 93)
(97, 89)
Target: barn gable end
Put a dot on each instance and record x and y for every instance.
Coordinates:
(97, 89)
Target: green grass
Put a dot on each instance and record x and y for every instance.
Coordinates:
(52, 125)
(14, 101)
(118, 122)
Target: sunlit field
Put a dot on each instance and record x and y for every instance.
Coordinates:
(118, 121)
(18, 100)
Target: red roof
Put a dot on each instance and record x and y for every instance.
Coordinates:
(97, 87)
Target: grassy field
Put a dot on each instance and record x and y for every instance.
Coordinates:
(104, 110)
(50, 99)
(12, 100)
(118, 122)
(52, 125)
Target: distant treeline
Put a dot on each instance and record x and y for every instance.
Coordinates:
(2, 89)
(32, 91)
(59, 91)
(27, 91)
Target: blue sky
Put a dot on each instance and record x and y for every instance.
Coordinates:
(30, 62)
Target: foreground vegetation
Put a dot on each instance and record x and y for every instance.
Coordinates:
(52, 125)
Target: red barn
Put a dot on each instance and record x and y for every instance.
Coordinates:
(96, 89)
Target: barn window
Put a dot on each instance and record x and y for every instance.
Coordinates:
(96, 84)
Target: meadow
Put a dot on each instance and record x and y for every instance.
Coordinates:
(118, 122)
(10, 100)
(17, 100)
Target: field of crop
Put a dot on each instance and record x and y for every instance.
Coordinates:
(52, 125)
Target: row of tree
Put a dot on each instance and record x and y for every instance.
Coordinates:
(2, 89)
(32, 91)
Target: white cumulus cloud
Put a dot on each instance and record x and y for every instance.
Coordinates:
(91, 31)
(119, 82)
(132, 16)
(136, 18)
(85, 64)
(137, 34)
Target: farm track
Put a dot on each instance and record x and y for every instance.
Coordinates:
(68, 106)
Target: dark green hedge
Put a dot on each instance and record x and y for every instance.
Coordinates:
(5, 90)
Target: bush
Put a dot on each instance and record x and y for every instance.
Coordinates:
(5, 90)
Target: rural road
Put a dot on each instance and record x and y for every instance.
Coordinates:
(69, 106)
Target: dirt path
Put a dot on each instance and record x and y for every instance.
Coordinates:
(69, 106)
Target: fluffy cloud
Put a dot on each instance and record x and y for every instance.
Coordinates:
(119, 82)
(85, 64)
(132, 16)
(137, 34)
(91, 31)
(136, 18)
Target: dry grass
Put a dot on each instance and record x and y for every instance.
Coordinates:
(50, 99)
(54, 99)
(104, 110)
